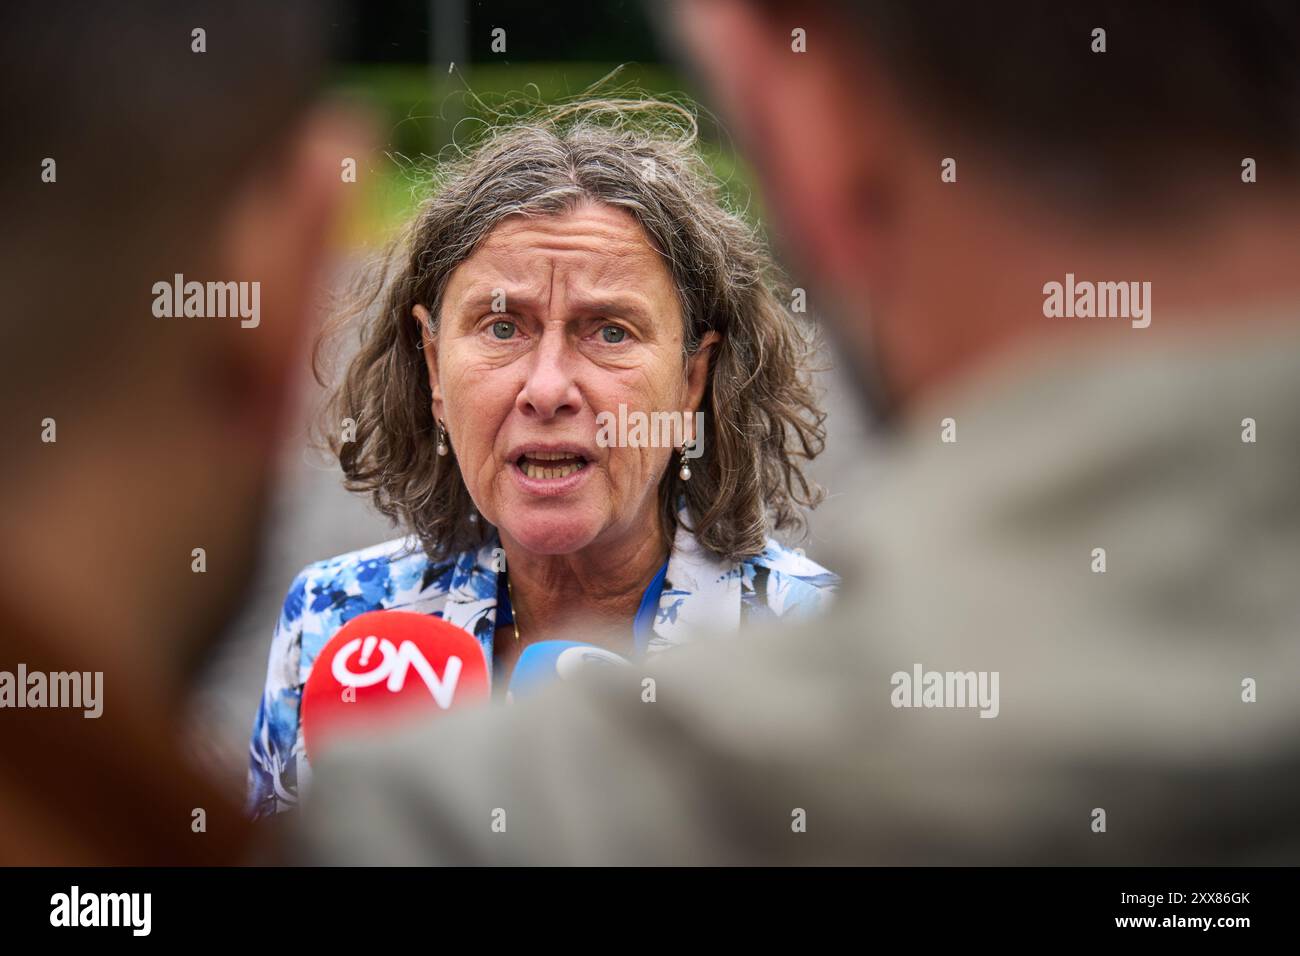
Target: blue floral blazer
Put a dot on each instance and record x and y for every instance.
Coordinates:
(701, 595)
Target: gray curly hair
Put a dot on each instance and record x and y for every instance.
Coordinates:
(763, 420)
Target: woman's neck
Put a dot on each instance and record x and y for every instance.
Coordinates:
(591, 593)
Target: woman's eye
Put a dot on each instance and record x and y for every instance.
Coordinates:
(503, 329)
(613, 334)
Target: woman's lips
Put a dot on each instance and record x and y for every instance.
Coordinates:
(550, 465)
(549, 473)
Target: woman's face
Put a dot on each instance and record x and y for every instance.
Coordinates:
(552, 321)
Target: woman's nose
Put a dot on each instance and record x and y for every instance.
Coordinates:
(550, 388)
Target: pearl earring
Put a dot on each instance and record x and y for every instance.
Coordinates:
(684, 473)
(442, 439)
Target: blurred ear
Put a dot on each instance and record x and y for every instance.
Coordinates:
(812, 123)
(277, 233)
(430, 340)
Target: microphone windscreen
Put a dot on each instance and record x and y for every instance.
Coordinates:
(546, 661)
(387, 664)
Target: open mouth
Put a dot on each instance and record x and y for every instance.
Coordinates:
(550, 464)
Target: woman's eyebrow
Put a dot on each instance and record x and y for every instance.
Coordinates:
(632, 308)
(625, 307)
(486, 300)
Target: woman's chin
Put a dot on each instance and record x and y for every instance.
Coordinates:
(551, 533)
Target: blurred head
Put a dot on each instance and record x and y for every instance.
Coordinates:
(578, 269)
(1116, 157)
(136, 151)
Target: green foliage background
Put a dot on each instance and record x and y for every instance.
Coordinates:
(415, 112)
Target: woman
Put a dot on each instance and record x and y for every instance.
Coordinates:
(585, 401)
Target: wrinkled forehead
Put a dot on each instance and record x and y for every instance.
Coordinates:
(589, 250)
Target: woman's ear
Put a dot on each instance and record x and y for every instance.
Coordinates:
(430, 343)
(697, 371)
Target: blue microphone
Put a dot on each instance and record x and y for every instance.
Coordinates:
(546, 661)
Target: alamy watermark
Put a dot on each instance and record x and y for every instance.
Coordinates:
(922, 688)
(75, 689)
(1101, 300)
(74, 908)
(637, 429)
(178, 298)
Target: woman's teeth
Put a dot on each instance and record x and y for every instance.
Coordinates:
(550, 465)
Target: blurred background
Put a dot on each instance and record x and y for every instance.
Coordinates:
(428, 73)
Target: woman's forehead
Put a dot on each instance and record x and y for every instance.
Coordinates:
(593, 247)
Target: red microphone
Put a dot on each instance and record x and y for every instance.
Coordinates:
(386, 664)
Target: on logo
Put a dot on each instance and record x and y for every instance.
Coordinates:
(396, 664)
